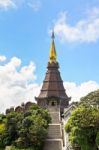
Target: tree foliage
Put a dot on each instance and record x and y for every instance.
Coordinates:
(91, 99)
(24, 129)
(83, 124)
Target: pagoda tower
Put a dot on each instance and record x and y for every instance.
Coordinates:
(53, 93)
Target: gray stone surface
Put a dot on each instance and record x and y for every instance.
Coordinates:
(54, 131)
(54, 139)
(53, 144)
(55, 117)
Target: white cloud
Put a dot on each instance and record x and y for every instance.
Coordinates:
(6, 4)
(17, 83)
(85, 30)
(35, 5)
(77, 91)
(2, 58)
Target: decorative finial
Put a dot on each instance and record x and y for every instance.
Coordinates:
(52, 50)
(53, 36)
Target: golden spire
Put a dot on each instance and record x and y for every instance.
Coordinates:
(52, 50)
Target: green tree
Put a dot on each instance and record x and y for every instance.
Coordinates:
(92, 99)
(24, 130)
(83, 127)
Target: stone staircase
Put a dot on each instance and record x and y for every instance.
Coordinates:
(55, 117)
(54, 139)
(55, 144)
(54, 131)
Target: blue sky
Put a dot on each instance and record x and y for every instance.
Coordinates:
(24, 32)
(25, 27)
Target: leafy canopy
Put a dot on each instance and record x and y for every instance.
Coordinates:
(91, 99)
(83, 124)
(24, 130)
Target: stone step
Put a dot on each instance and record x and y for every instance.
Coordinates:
(55, 117)
(54, 139)
(54, 131)
(53, 144)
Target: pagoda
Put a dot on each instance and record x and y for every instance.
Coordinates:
(53, 93)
